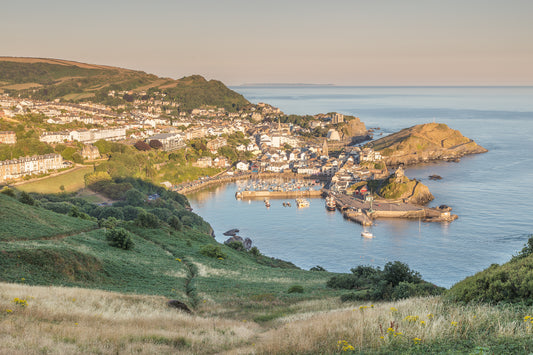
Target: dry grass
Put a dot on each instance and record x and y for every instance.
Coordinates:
(71, 320)
(22, 86)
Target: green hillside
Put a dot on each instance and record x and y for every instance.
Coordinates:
(174, 254)
(50, 79)
(510, 282)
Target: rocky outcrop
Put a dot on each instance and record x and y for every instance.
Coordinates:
(246, 243)
(353, 129)
(400, 187)
(423, 143)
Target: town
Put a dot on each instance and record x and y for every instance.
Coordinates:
(267, 144)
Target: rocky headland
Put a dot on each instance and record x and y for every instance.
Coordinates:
(424, 143)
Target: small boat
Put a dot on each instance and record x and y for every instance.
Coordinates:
(367, 234)
(267, 202)
(302, 202)
(330, 203)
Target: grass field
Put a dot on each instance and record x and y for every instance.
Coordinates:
(72, 181)
(41, 320)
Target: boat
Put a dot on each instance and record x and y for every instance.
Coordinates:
(302, 202)
(367, 234)
(330, 203)
(267, 202)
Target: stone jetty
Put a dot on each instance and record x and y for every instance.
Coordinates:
(359, 210)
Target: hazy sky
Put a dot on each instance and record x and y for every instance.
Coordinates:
(352, 42)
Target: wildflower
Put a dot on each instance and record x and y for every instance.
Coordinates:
(526, 318)
(73, 300)
(22, 279)
(417, 341)
(382, 337)
(393, 309)
(454, 324)
(220, 258)
(430, 316)
(75, 323)
(411, 319)
(423, 322)
(178, 259)
(362, 307)
(9, 310)
(371, 306)
(20, 302)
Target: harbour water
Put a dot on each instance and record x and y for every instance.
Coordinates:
(492, 193)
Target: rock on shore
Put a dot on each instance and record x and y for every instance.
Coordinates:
(423, 143)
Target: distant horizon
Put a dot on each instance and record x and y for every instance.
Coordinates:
(345, 43)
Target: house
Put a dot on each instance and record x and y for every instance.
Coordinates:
(203, 162)
(8, 137)
(170, 141)
(90, 152)
(37, 164)
(242, 166)
(214, 144)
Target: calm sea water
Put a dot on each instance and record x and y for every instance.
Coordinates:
(492, 193)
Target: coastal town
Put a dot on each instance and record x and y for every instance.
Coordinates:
(272, 146)
(340, 166)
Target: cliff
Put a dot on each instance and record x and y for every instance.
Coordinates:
(353, 129)
(398, 186)
(423, 143)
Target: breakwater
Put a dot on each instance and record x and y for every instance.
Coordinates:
(359, 210)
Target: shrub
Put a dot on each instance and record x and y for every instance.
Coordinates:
(296, 289)
(255, 251)
(134, 197)
(119, 238)
(24, 197)
(110, 223)
(212, 251)
(236, 245)
(175, 223)
(396, 272)
(317, 268)
(155, 144)
(147, 220)
(526, 251)
(9, 192)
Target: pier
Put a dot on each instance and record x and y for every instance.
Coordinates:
(358, 210)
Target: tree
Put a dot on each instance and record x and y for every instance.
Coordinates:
(142, 146)
(396, 272)
(156, 144)
(119, 238)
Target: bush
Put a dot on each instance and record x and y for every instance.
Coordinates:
(212, 251)
(147, 220)
(396, 272)
(142, 146)
(255, 251)
(24, 197)
(119, 238)
(296, 289)
(317, 268)
(9, 192)
(236, 245)
(175, 223)
(110, 223)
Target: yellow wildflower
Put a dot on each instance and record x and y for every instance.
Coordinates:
(178, 259)
(423, 322)
(9, 310)
(417, 341)
(454, 324)
(393, 309)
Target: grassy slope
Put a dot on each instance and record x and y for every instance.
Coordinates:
(242, 306)
(430, 136)
(57, 254)
(74, 81)
(71, 180)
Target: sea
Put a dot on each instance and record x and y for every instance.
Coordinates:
(492, 193)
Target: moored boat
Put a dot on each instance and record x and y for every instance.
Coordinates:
(330, 203)
(302, 202)
(367, 234)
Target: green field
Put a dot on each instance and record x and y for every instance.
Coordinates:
(72, 181)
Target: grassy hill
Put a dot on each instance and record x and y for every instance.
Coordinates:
(510, 282)
(425, 142)
(240, 300)
(49, 79)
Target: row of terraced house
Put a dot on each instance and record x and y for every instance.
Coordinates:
(34, 165)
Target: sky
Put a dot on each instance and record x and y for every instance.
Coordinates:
(341, 42)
